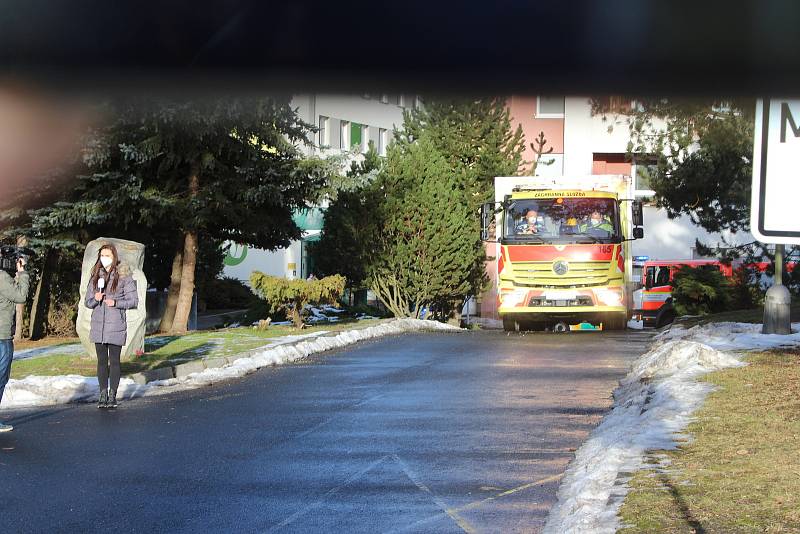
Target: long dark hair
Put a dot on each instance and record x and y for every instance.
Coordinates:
(113, 275)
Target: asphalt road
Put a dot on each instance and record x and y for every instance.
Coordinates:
(418, 433)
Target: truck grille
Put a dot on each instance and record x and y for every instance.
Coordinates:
(580, 274)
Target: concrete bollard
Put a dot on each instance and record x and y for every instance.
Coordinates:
(777, 305)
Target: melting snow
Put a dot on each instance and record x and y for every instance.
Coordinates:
(652, 406)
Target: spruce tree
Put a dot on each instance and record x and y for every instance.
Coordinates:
(178, 172)
(474, 135)
(427, 254)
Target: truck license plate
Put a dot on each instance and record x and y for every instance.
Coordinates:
(561, 295)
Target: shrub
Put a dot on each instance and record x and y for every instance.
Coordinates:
(746, 289)
(701, 290)
(293, 295)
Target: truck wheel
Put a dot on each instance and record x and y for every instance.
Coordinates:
(614, 322)
(510, 325)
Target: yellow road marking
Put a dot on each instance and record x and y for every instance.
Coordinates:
(454, 512)
(476, 504)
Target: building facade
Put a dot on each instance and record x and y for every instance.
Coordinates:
(586, 142)
(345, 123)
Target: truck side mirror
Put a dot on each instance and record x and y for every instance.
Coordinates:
(638, 232)
(637, 215)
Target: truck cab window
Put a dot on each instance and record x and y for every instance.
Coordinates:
(562, 220)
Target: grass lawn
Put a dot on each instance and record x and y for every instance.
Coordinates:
(165, 350)
(741, 472)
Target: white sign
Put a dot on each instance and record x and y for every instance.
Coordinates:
(775, 211)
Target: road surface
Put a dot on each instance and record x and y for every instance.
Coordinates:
(433, 432)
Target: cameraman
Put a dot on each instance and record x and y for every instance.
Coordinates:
(13, 291)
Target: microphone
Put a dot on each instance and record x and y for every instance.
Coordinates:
(101, 284)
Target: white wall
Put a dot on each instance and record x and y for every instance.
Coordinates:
(550, 165)
(669, 239)
(585, 135)
(275, 263)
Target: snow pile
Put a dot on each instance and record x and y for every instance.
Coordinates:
(653, 404)
(319, 315)
(51, 390)
(733, 336)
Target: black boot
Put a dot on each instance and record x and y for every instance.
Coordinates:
(103, 402)
(112, 398)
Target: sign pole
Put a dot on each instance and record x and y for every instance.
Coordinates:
(777, 302)
(776, 145)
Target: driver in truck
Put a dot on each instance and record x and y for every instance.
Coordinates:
(530, 224)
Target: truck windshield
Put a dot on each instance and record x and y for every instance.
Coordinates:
(562, 220)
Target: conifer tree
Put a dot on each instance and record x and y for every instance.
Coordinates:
(427, 254)
(177, 172)
(474, 135)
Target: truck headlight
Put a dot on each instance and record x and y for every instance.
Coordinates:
(611, 296)
(512, 298)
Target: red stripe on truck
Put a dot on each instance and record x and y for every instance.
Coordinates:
(600, 252)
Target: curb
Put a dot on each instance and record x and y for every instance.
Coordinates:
(195, 366)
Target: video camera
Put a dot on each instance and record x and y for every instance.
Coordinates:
(9, 255)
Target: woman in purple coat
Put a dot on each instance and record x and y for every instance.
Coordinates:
(111, 291)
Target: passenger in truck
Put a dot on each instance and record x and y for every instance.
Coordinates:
(597, 226)
(531, 224)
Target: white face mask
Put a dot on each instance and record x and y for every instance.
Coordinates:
(106, 261)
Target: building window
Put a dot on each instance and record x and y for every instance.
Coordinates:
(550, 107)
(382, 139)
(344, 139)
(364, 138)
(644, 169)
(323, 131)
(397, 100)
(355, 135)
